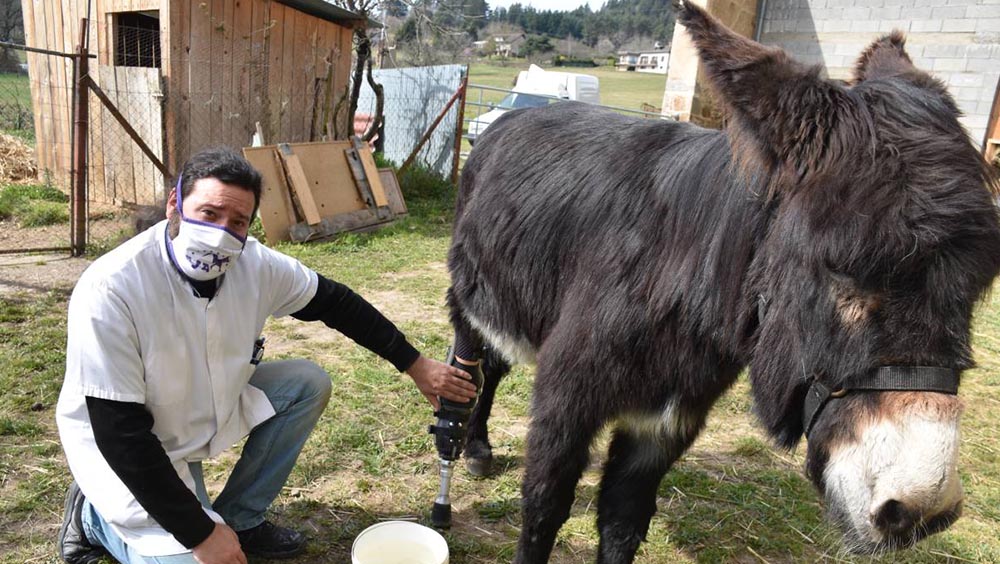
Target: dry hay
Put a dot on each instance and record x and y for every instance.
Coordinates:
(17, 160)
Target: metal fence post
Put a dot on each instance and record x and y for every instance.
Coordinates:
(78, 236)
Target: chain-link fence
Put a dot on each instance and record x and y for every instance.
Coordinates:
(416, 108)
(35, 101)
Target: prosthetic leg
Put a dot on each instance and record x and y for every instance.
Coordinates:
(450, 430)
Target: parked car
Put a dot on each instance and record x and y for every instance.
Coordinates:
(537, 87)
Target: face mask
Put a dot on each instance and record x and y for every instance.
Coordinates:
(203, 251)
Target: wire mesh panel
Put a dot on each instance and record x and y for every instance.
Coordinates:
(414, 97)
(35, 104)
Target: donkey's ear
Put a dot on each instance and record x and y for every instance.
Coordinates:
(884, 57)
(793, 119)
(747, 76)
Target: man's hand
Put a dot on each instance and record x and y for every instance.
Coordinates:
(221, 547)
(434, 378)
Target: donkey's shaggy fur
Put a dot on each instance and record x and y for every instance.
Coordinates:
(644, 264)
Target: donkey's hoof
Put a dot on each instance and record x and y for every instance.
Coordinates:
(479, 466)
(479, 457)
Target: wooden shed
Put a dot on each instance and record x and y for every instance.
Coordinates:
(187, 74)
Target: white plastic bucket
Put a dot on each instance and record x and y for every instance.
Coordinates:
(399, 542)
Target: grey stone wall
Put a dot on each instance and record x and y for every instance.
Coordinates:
(957, 41)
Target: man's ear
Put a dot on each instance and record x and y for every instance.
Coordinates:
(783, 114)
(885, 57)
(172, 203)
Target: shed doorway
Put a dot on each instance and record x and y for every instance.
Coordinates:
(134, 85)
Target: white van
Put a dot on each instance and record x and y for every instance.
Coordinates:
(538, 87)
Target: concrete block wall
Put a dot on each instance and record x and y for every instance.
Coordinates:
(957, 41)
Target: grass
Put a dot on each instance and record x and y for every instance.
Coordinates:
(731, 498)
(33, 205)
(15, 106)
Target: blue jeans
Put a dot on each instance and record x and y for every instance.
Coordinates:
(299, 391)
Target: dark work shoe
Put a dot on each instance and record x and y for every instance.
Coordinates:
(268, 540)
(74, 548)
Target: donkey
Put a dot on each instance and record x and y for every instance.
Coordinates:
(834, 239)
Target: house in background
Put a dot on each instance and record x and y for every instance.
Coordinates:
(186, 74)
(509, 46)
(653, 61)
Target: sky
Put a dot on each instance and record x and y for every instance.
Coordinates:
(554, 5)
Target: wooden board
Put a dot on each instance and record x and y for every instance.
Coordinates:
(371, 173)
(328, 176)
(393, 193)
(299, 184)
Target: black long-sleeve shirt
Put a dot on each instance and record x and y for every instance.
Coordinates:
(124, 430)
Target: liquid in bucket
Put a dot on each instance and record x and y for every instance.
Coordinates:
(399, 542)
(397, 552)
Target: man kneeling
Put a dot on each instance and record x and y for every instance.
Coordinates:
(163, 371)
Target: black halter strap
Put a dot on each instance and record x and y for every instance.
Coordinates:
(883, 379)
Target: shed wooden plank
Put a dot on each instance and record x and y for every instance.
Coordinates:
(64, 97)
(130, 105)
(97, 189)
(323, 71)
(155, 140)
(97, 185)
(288, 100)
(175, 72)
(225, 29)
(216, 81)
(118, 150)
(61, 98)
(275, 50)
(310, 72)
(200, 72)
(46, 139)
(342, 83)
(105, 33)
(241, 118)
(258, 106)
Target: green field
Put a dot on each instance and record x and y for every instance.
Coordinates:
(15, 106)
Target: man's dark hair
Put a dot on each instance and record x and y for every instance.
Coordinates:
(225, 165)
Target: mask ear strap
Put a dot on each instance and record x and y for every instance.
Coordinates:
(178, 189)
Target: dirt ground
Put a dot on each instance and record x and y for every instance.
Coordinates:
(39, 273)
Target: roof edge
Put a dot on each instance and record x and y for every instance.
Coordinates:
(326, 11)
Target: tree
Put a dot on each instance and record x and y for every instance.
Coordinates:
(536, 44)
(362, 69)
(395, 8)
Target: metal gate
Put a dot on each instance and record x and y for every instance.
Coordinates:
(36, 94)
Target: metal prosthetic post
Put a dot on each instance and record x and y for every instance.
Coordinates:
(449, 438)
